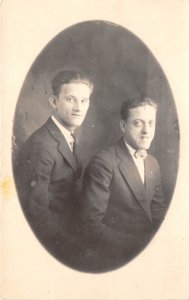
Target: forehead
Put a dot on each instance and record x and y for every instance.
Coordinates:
(75, 88)
(146, 112)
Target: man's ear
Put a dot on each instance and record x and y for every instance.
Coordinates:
(52, 101)
(122, 125)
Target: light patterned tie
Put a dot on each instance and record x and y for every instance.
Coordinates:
(72, 142)
(141, 153)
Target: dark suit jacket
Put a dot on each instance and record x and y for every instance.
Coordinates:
(120, 213)
(46, 175)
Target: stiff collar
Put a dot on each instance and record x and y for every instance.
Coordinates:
(131, 149)
(66, 133)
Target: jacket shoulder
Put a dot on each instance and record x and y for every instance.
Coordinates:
(38, 142)
(41, 136)
(104, 159)
(106, 153)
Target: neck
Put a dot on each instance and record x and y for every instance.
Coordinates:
(70, 128)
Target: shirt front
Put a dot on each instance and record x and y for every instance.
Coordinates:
(66, 133)
(139, 162)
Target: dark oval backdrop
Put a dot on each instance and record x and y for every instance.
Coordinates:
(121, 66)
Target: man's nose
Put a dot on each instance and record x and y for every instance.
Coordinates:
(77, 106)
(145, 128)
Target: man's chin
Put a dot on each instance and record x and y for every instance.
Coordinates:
(144, 146)
(78, 123)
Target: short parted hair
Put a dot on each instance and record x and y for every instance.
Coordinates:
(69, 76)
(136, 102)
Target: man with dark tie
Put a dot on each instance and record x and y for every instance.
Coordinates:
(46, 170)
(122, 201)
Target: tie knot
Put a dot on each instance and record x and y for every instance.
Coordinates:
(141, 153)
(72, 135)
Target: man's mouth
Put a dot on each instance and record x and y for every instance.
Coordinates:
(76, 115)
(145, 137)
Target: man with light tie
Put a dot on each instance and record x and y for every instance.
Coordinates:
(46, 171)
(123, 203)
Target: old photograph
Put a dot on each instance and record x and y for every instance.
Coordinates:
(95, 207)
(94, 163)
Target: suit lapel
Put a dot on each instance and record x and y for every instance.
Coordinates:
(63, 147)
(131, 175)
(149, 179)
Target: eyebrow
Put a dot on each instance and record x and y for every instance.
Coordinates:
(143, 120)
(76, 97)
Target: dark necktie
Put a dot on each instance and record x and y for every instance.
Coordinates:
(141, 153)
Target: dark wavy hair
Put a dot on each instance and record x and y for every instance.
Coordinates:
(69, 76)
(136, 102)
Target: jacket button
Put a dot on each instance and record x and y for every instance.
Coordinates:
(33, 183)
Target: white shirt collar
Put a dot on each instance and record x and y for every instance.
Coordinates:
(131, 149)
(138, 162)
(66, 133)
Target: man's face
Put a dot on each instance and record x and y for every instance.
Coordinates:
(139, 128)
(72, 103)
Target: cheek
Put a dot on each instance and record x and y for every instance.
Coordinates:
(132, 135)
(84, 109)
(65, 109)
(152, 131)
(135, 132)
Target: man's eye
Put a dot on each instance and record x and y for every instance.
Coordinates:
(137, 123)
(151, 123)
(85, 100)
(69, 99)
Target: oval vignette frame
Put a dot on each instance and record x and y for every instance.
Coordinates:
(121, 66)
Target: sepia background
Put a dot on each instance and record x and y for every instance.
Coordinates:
(161, 270)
